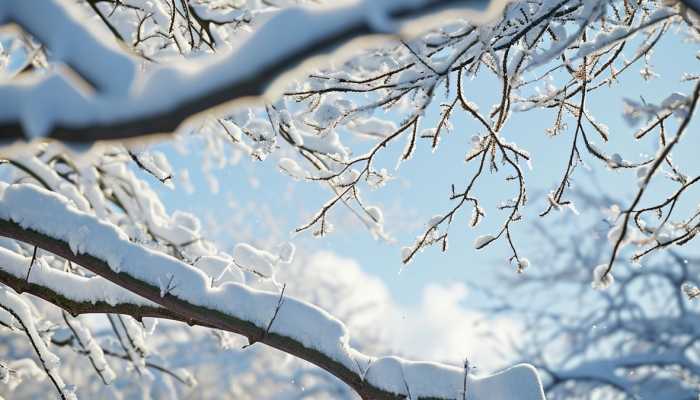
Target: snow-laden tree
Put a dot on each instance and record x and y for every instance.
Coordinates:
(639, 339)
(83, 232)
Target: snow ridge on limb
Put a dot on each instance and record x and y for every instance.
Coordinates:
(129, 102)
(183, 292)
(58, 26)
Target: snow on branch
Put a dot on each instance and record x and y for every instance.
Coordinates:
(114, 97)
(21, 313)
(75, 294)
(47, 220)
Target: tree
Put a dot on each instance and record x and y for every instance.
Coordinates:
(636, 340)
(88, 235)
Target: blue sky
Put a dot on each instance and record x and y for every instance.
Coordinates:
(422, 185)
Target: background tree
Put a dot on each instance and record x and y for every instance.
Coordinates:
(636, 340)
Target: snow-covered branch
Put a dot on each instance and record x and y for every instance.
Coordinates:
(297, 328)
(88, 235)
(73, 293)
(21, 313)
(115, 98)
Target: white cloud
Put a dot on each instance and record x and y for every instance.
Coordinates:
(441, 327)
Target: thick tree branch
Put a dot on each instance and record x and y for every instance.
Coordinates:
(138, 269)
(40, 284)
(129, 103)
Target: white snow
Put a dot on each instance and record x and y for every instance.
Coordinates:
(71, 286)
(602, 281)
(94, 351)
(53, 215)
(21, 311)
(430, 380)
(483, 240)
(286, 252)
(126, 92)
(523, 264)
(292, 168)
(252, 259)
(372, 127)
(219, 269)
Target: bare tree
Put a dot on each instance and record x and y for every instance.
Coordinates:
(638, 339)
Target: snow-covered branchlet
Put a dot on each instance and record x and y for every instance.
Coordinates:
(602, 277)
